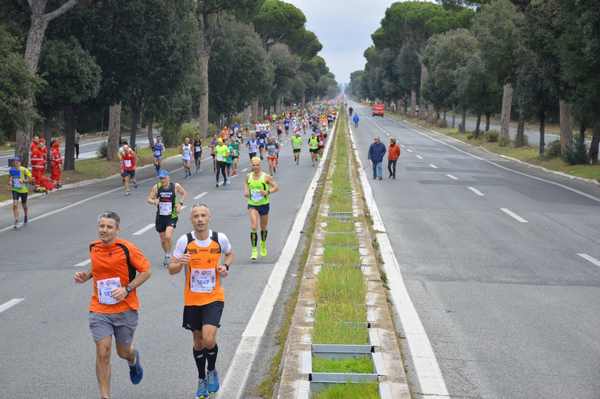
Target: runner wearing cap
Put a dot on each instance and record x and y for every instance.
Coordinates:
(18, 178)
(168, 198)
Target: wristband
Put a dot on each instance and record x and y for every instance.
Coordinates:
(226, 266)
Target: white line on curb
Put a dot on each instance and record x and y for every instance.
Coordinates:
(420, 157)
(513, 215)
(433, 166)
(427, 369)
(476, 191)
(10, 304)
(590, 259)
(143, 230)
(245, 354)
(83, 263)
(197, 197)
(452, 177)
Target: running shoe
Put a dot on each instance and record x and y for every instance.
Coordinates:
(212, 381)
(263, 248)
(202, 391)
(25, 219)
(166, 260)
(127, 193)
(136, 372)
(254, 253)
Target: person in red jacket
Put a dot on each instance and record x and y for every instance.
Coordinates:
(57, 163)
(128, 164)
(37, 163)
(393, 155)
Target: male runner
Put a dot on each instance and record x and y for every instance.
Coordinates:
(258, 188)
(200, 253)
(114, 305)
(186, 156)
(252, 145)
(168, 198)
(18, 178)
(157, 151)
(197, 152)
(313, 147)
(296, 146)
(272, 155)
(221, 153)
(234, 151)
(128, 165)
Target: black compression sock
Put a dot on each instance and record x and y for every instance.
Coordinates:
(263, 235)
(200, 358)
(211, 357)
(253, 238)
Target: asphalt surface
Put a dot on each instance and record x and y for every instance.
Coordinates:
(46, 348)
(511, 309)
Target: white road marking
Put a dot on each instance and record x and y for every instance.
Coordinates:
(426, 366)
(236, 378)
(10, 304)
(197, 197)
(420, 157)
(245, 170)
(476, 191)
(83, 263)
(452, 177)
(143, 230)
(433, 166)
(590, 259)
(513, 215)
(409, 150)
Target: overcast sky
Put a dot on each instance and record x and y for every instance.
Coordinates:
(344, 28)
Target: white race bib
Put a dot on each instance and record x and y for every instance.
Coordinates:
(203, 280)
(257, 195)
(165, 208)
(105, 288)
(127, 163)
(198, 148)
(16, 182)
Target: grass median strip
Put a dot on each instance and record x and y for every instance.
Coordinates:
(345, 391)
(341, 240)
(339, 226)
(356, 364)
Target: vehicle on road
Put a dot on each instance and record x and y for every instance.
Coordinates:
(377, 109)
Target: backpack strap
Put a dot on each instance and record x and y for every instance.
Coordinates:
(132, 271)
(215, 237)
(190, 238)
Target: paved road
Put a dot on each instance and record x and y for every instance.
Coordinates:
(87, 150)
(511, 309)
(46, 348)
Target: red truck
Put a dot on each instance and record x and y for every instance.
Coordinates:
(377, 109)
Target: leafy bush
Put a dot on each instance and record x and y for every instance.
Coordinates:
(492, 136)
(503, 141)
(552, 149)
(102, 151)
(577, 154)
(189, 129)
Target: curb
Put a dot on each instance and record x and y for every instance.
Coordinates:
(83, 183)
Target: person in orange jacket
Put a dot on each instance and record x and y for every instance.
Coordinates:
(37, 162)
(393, 155)
(57, 163)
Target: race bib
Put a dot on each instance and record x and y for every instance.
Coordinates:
(198, 148)
(105, 288)
(203, 280)
(157, 153)
(256, 195)
(127, 163)
(165, 208)
(16, 182)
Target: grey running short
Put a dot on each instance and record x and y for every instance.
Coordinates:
(121, 325)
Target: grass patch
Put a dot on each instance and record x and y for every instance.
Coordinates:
(341, 240)
(336, 225)
(357, 364)
(340, 323)
(349, 391)
(341, 256)
(341, 285)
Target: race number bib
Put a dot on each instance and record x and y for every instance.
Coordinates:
(127, 163)
(203, 280)
(165, 208)
(256, 195)
(16, 182)
(198, 148)
(157, 153)
(105, 288)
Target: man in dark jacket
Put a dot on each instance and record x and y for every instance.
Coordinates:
(377, 151)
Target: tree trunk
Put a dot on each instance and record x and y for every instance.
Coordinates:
(413, 102)
(520, 137)
(478, 125)
(136, 112)
(69, 160)
(114, 131)
(48, 137)
(507, 95)
(424, 77)
(595, 142)
(445, 119)
(542, 132)
(150, 130)
(566, 133)
(487, 122)
(453, 118)
(463, 123)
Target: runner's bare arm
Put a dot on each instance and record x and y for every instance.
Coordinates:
(82, 277)
(246, 190)
(274, 187)
(180, 192)
(152, 200)
(120, 293)
(228, 260)
(175, 265)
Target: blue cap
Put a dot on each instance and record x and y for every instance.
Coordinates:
(17, 158)
(163, 173)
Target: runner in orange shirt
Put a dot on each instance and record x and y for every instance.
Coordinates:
(200, 253)
(114, 305)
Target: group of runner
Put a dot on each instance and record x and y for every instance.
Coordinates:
(118, 267)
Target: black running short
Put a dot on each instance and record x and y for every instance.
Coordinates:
(194, 317)
(162, 222)
(296, 150)
(261, 209)
(19, 196)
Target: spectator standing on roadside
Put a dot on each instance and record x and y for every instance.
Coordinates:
(377, 151)
(77, 138)
(393, 155)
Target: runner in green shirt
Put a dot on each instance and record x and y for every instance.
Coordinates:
(297, 146)
(19, 177)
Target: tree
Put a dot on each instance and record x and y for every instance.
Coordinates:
(72, 77)
(498, 28)
(39, 21)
